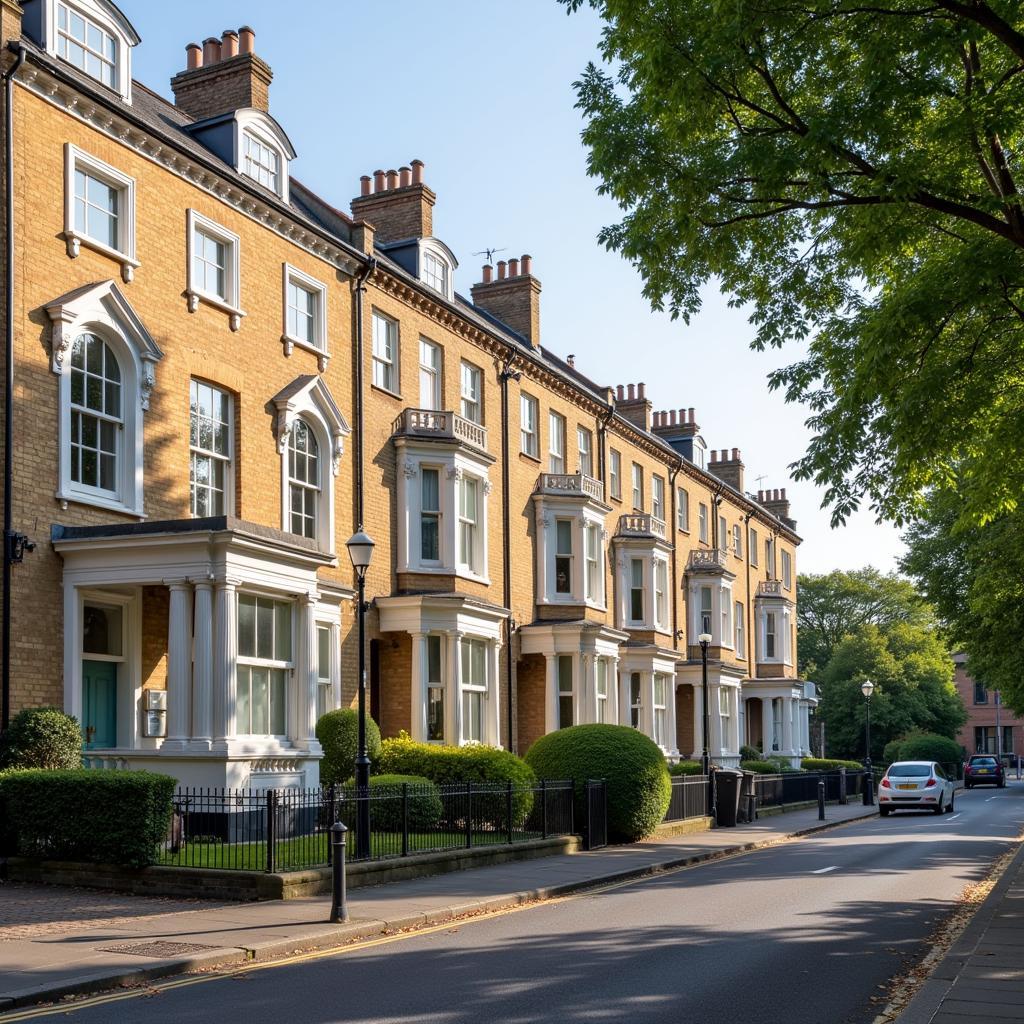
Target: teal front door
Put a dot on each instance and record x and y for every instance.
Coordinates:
(99, 704)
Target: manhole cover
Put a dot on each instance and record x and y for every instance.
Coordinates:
(158, 949)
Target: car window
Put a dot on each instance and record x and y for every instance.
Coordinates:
(913, 770)
(985, 762)
(938, 771)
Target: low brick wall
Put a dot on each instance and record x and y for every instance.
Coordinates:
(215, 884)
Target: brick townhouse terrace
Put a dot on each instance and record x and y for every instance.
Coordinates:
(218, 376)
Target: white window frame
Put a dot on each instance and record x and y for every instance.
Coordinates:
(752, 546)
(436, 514)
(682, 509)
(431, 248)
(431, 373)
(562, 693)
(439, 279)
(564, 528)
(230, 302)
(723, 534)
(325, 674)
(725, 710)
(615, 474)
(660, 708)
(636, 702)
(475, 567)
(634, 589)
(593, 564)
(76, 159)
(637, 480)
(737, 540)
(265, 131)
(228, 460)
(386, 363)
(272, 663)
(787, 569)
(771, 629)
(529, 416)
(478, 688)
(658, 497)
(725, 636)
(601, 704)
(705, 612)
(471, 392)
(556, 451)
(441, 683)
(702, 522)
(585, 447)
(310, 490)
(660, 573)
(119, 28)
(300, 279)
(740, 639)
(246, 164)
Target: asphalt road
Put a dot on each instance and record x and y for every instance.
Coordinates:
(802, 933)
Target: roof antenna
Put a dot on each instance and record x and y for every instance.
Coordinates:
(759, 479)
(489, 253)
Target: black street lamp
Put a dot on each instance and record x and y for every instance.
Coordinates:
(868, 688)
(360, 550)
(705, 760)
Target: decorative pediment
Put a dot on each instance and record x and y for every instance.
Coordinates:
(102, 309)
(310, 395)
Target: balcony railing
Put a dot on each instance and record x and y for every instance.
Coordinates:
(641, 524)
(707, 558)
(442, 424)
(769, 588)
(570, 483)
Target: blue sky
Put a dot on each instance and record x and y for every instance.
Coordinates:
(482, 92)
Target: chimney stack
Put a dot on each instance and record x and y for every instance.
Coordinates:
(227, 75)
(634, 406)
(514, 298)
(776, 502)
(728, 469)
(398, 205)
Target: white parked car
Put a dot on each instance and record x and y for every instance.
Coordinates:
(915, 785)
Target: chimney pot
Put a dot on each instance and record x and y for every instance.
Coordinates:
(193, 56)
(513, 267)
(783, 492)
(571, 359)
(714, 455)
(656, 419)
(619, 392)
(724, 457)
(735, 455)
(501, 269)
(488, 273)
(378, 181)
(365, 185)
(527, 262)
(404, 176)
(760, 496)
(693, 416)
(641, 390)
(672, 418)
(211, 50)
(392, 177)
(228, 43)
(246, 40)
(632, 392)
(417, 172)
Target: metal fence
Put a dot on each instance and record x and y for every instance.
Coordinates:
(802, 787)
(689, 798)
(289, 829)
(595, 827)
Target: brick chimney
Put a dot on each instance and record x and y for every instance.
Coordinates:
(396, 203)
(222, 75)
(10, 22)
(513, 296)
(680, 430)
(727, 467)
(776, 502)
(632, 403)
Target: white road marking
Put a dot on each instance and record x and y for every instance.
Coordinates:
(825, 871)
(953, 817)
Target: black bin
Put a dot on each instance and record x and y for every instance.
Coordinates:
(728, 783)
(748, 799)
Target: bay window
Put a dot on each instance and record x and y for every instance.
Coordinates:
(324, 684)
(705, 610)
(636, 590)
(264, 665)
(435, 690)
(593, 590)
(602, 690)
(468, 523)
(661, 689)
(565, 691)
(563, 556)
(725, 711)
(635, 699)
(660, 594)
(430, 514)
(769, 635)
(474, 689)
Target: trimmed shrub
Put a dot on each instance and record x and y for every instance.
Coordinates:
(761, 767)
(42, 738)
(338, 733)
(779, 763)
(891, 751)
(827, 764)
(639, 789)
(425, 807)
(104, 817)
(452, 766)
(929, 746)
(749, 753)
(685, 768)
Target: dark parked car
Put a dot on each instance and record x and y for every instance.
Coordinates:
(983, 770)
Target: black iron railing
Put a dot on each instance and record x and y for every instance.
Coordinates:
(289, 829)
(689, 798)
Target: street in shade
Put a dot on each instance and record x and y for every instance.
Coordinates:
(807, 932)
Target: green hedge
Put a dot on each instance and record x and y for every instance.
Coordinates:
(685, 768)
(761, 767)
(827, 764)
(639, 789)
(105, 817)
(929, 746)
(449, 766)
(425, 807)
(750, 754)
(42, 738)
(338, 733)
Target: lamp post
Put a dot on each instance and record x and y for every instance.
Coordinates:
(360, 550)
(705, 760)
(868, 688)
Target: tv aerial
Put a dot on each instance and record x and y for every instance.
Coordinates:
(489, 253)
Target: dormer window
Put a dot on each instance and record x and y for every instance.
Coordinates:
(436, 266)
(435, 273)
(260, 162)
(84, 43)
(262, 150)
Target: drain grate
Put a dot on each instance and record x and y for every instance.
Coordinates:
(158, 948)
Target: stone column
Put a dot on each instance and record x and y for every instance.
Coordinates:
(672, 740)
(734, 719)
(225, 661)
(624, 700)
(698, 721)
(797, 731)
(179, 664)
(614, 703)
(418, 688)
(787, 726)
(717, 741)
(492, 704)
(72, 652)
(647, 712)
(455, 674)
(202, 667)
(305, 681)
(767, 725)
(550, 692)
(586, 711)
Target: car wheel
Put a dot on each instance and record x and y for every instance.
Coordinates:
(938, 810)
(883, 812)
(952, 798)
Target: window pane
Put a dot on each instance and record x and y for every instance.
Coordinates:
(260, 701)
(243, 703)
(264, 629)
(277, 702)
(282, 631)
(434, 659)
(323, 652)
(563, 531)
(435, 713)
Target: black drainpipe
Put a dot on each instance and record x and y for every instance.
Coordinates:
(602, 429)
(505, 374)
(371, 265)
(14, 543)
(672, 529)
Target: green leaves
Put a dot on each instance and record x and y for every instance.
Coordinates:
(847, 174)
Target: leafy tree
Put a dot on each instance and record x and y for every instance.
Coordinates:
(838, 603)
(849, 172)
(913, 676)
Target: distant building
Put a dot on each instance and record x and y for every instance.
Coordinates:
(986, 717)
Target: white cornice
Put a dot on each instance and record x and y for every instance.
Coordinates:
(65, 98)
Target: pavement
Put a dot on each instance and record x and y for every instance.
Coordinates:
(51, 948)
(981, 979)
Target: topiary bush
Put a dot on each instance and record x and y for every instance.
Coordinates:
(759, 766)
(104, 817)
(455, 766)
(338, 733)
(827, 764)
(42, 738)
(929, 746)
(749, 753)
(633, 765)
(685, 768)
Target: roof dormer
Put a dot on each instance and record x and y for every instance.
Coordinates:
(429, 260)
(91, 35)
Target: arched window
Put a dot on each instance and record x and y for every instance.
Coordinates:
(97, 420)
(303, 479)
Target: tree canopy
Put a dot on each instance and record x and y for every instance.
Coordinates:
(836, 604)
(848, 172)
